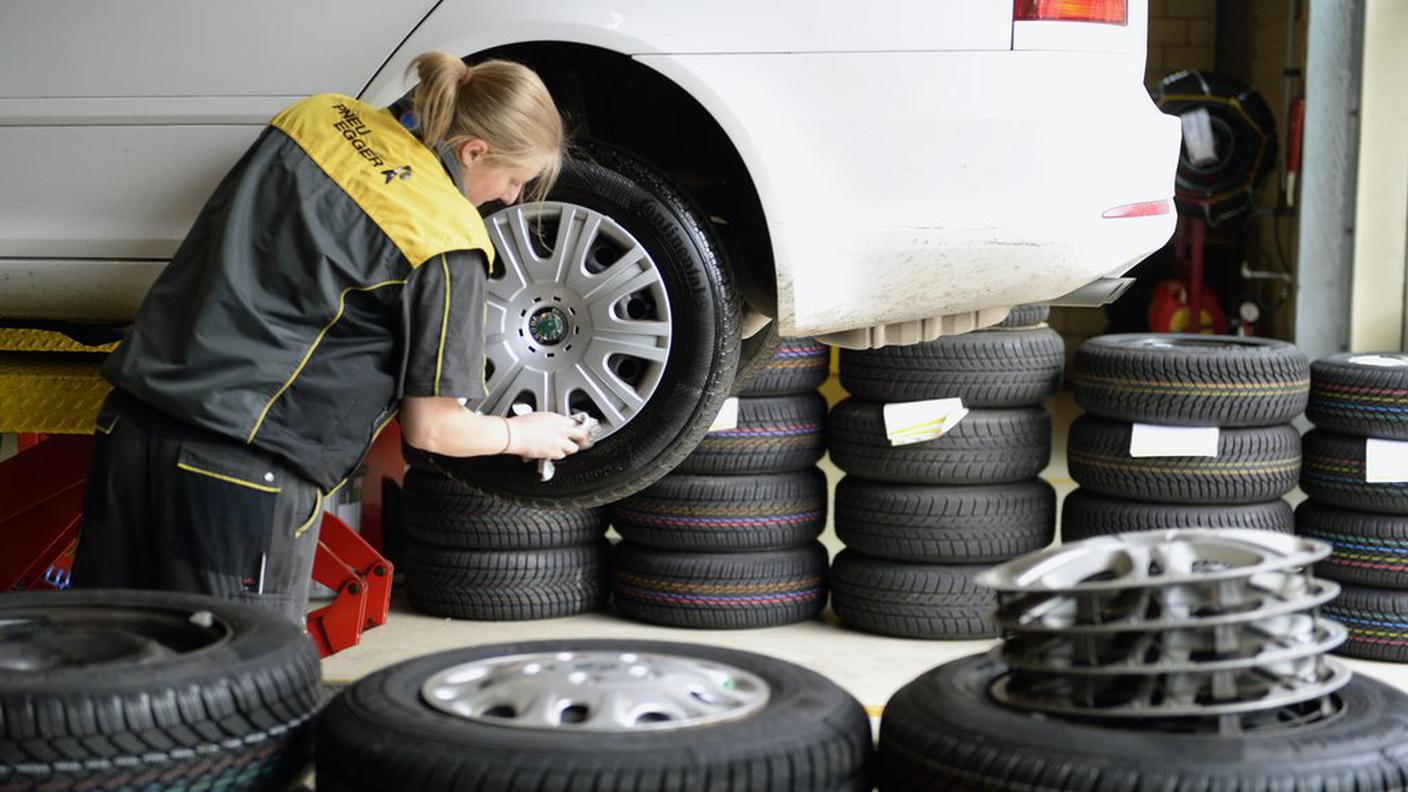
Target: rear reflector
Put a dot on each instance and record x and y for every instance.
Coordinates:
(1146, 209)
(1112, 12)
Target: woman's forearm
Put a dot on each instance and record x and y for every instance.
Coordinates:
(441, 425)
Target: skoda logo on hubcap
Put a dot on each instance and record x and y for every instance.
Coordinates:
(548, 326)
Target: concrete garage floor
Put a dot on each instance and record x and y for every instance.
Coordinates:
(871, 667)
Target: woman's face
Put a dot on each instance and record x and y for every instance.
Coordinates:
(485, 181)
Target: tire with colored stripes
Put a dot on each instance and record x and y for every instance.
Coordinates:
(1086, 514)
(989, 368)
(945, 525)
(442, 511)
(986, 447)
(1334, 473)
(1361, 394)
(725, 514)
(799, 365)
(775, 434)
(1026, 316)
(911, 600)
(1253, 464)
(1192, 380)
(1377, 621)
(945, 731)
(724, 591)
(506, 585)
(1369, 549)
(145, 690)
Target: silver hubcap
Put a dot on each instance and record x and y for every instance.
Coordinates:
(596, 691)
(1167, 624)
(578, 317)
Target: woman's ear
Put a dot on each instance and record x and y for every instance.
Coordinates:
(472, 150)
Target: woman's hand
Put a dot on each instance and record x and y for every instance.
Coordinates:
(545, 435)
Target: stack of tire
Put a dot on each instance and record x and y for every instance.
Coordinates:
(728, 539)
(472, 556)
(920, 521)
(1250, 388)
(1356, 399)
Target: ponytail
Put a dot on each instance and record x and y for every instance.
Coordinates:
(504, 104)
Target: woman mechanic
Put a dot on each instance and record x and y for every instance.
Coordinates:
(336, 274)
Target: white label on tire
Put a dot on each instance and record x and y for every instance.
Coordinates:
(1198, 140)
(727, 418)
(1385, 461)
(1154, 440)
(918, 421)
(1382, 361)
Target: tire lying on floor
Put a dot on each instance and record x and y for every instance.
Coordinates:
(506, 585)
(944, 731)
(1252, 465)
(910, 600)
(1192, 380)
(1369, 549)
(1377, 621)
(606, 716)
(725, 513)
(955, 525)
(134, 690)
(986, 447)
(775, 434)
(440, 510)
(719, 590)
(1360, 394)
(1085, 514)
(989, 368)
(641, 329)
(1335, 472)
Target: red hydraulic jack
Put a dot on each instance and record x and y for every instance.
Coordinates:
(359, 575)
(42, 509)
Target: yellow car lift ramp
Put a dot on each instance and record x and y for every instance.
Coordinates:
(49, 383)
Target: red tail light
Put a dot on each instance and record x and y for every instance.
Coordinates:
(1112, 12)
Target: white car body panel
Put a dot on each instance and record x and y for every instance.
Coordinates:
(910, 164)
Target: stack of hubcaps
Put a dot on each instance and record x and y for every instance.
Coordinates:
(1217, 630)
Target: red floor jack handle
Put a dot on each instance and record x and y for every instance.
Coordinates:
(361, 577)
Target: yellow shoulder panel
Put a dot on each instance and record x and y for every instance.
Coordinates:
(396, 180)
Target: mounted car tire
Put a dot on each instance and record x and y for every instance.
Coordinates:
(775, 434)
(1369, 549)
(808, 736)
(725, 514)
(136, 690)
(1252, 465)
(798, 365)
(439, 510)
(1086, 514)
(1192, 380)
(644, 332)
(945, 525)
(1026, 316)
(911, 600)
(986, 447)
(990, 368)
(1360, 394)
(726, 591)
(1335, 473)
(945, 731)
(506, 585)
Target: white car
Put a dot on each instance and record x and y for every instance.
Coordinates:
(871, 174)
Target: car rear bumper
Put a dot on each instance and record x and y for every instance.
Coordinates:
(900, 186)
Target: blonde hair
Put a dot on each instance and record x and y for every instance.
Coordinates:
(505, 104)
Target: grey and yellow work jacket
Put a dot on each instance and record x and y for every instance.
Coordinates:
(336, 269)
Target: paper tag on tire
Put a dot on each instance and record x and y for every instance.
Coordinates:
(1385, 461)
(727, 419)
(918, 421)
(1155, 440)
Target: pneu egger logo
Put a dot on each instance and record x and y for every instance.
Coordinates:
(358, 135)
